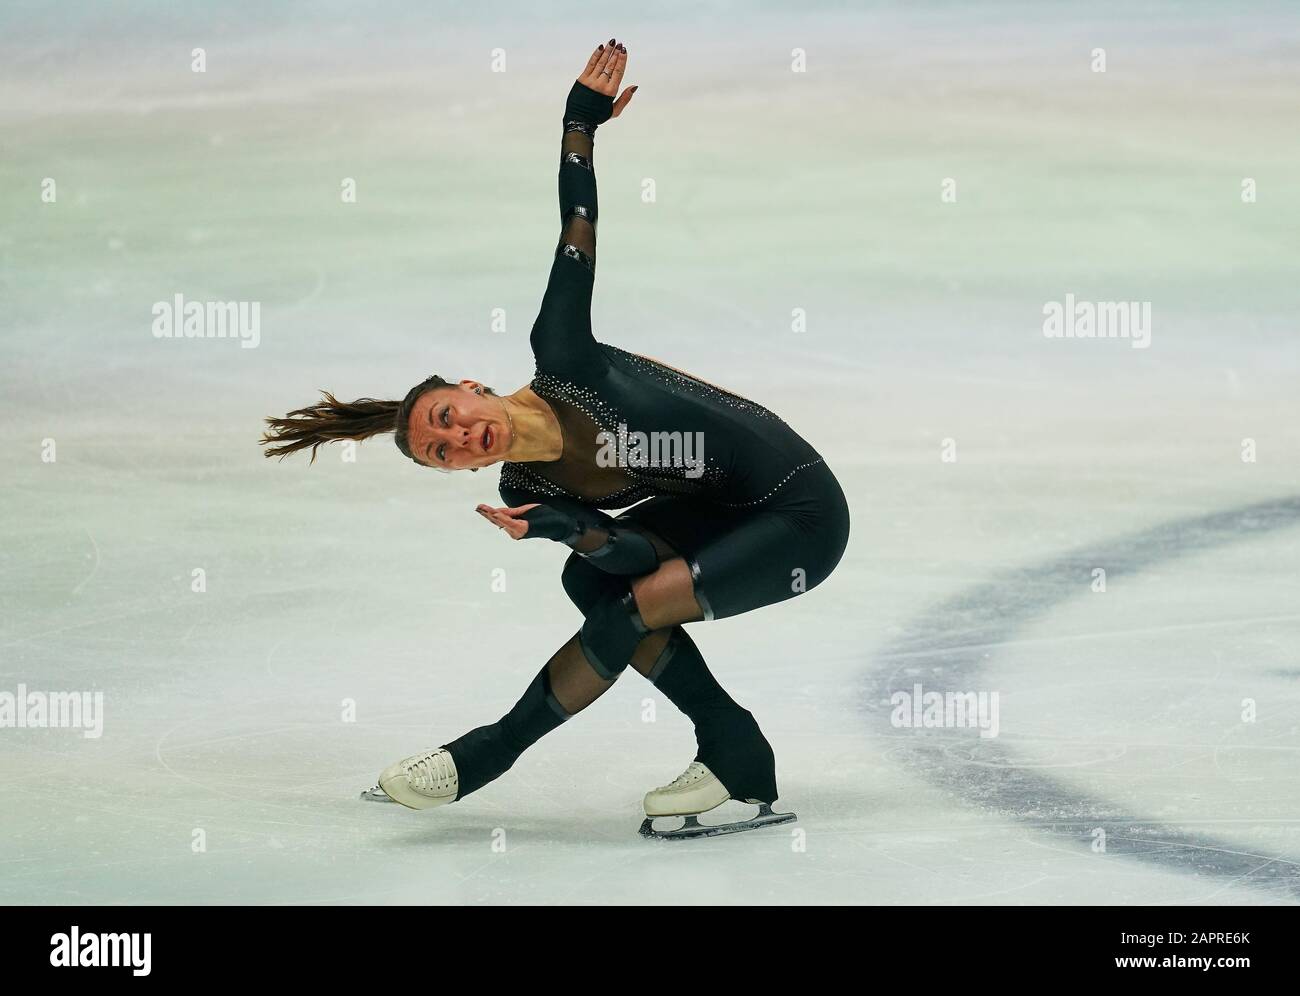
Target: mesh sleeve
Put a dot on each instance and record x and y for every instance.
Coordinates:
(562, 336)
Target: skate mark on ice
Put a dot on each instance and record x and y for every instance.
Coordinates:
(1006, 603)
(1108, 634)
(94, 568)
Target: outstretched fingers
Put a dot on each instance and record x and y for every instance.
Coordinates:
(604, 71)
(504, 519)
(605, 68)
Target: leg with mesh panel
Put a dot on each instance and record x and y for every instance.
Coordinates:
(729, 740)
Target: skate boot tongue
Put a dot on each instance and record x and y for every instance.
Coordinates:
(694, 772)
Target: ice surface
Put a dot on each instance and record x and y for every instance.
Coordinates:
(370, 585)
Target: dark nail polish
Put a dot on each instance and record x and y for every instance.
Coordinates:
(611, 41)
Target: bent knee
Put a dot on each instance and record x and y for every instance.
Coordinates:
(611, 633)
(587, 585)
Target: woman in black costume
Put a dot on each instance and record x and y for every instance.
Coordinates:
(732, 510)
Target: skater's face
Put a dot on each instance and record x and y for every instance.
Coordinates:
(459, 427)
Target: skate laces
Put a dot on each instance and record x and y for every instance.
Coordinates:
(431, 772)
(693, 773)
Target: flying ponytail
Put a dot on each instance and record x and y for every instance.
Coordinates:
(330, 419)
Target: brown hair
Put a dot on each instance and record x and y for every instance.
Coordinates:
(330, 419)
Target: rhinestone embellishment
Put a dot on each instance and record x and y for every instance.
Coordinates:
(574, 159)
(649, 481)
(692, 385)
(574, 253)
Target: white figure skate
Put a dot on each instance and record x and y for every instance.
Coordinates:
(697, 790)
(420, 781)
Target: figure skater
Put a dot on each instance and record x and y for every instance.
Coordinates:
(743, 512)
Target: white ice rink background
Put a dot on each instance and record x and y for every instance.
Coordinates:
(1161, 715)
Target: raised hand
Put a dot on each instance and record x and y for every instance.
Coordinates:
(604, 73)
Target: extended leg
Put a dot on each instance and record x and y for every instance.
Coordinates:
(563, 688)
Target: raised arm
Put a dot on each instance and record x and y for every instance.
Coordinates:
(562, 336)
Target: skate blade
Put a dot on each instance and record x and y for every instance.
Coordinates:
(692, 828)
(376, 794)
